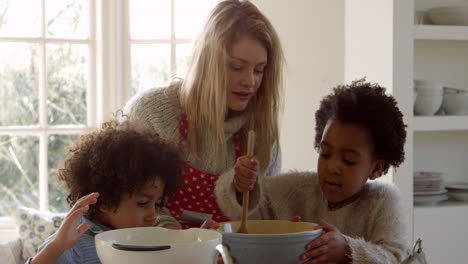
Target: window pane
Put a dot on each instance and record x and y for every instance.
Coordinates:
(190, 15)
(18, 84)
(58, 148)
(20, 18)
(67, 80)
(150, 19)
(19, 181)
(150, 65)
(67, 18)
(182, 53)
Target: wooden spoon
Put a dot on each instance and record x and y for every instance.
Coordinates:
(245, 197)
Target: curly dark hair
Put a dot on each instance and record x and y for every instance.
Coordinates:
(119, 159)
(366, 104)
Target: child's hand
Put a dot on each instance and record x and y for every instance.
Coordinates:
(68, 233)
(169, 226)
(329, 247)
(210, 224)
(246, 172)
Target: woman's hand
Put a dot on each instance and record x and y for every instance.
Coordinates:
(169, 226)
(68, 233)
(246, 172)
(329, 247)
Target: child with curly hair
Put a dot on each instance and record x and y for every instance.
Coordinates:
(117, 177)
(359, 134)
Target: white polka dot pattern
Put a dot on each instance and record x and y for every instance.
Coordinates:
(196, 192)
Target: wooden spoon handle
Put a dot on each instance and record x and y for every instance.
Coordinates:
(245, 196)
(245, 211)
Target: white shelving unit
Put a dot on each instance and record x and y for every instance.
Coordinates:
(383, 44)
(439, 227)
(436, 32)
(440, 123)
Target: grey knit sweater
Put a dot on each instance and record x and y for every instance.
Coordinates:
(373, 224)
(160, 108)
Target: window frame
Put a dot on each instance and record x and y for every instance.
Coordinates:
(109, 74)
(43, 130)
(127, 43)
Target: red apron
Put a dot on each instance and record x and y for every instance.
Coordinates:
(197, 191)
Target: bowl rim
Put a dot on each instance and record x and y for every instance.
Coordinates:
(316, 231)
(99, 237)
(457, 90)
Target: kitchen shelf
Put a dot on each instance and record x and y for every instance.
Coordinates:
(436, 32)
(449, 203)
(397, 53)
(440, 123)
(443, 233)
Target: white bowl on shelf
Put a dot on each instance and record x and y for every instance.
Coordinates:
(454, 101)
(428, 84)
(429, 99)
(449, 15)
(427, 104)
(459, 196)
(429, 199)
(458, 190)
(457, 186)
(426, 193)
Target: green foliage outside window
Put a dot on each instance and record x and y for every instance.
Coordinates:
(66, 73)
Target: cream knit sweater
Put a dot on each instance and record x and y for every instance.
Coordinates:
(160, 108)
(373, 225)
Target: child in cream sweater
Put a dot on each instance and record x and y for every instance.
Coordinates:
(359, 134)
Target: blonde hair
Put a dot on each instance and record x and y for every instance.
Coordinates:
(204, 89)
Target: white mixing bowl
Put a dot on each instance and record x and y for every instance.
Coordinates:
(157, 245)
(268, 241)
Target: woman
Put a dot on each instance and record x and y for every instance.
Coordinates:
(234, 76)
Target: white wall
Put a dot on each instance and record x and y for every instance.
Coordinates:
(312, 35)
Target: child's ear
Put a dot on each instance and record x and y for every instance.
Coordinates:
(377, 169)
(104, 209)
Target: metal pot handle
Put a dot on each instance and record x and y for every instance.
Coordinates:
(139, 248)
(224, 252)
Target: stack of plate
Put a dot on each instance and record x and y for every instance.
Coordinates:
(428, 187)
(458, 190)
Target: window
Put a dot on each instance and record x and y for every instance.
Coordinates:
(160, 36)
(46, 86)
(65, 65)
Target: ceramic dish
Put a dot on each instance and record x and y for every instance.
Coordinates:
(429, 186)
(460, 185)
(426, 175)
(460, 196)
(159, 245)
(454, 103)
(268, 241)
(430, 192)
(429, 199)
